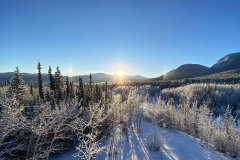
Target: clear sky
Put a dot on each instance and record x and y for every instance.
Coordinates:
(142, 37)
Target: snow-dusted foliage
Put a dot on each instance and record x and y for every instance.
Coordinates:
(219, 96)
(153, 141)
(88, 143)
(46, 132)
(196, 120)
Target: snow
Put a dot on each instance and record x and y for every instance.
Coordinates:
(226, 59)
(177, 146)
(222, 62)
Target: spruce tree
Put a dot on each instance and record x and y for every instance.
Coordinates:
(31, 89)
(98, 94)
(68, 87)
(72, 89)
(59, 84)
(58, 78)
(106, 92)
(18, 86)
(90, 83)
(40, 85)
(89, 95)
(81, 91)
(51, 79)
(80, 82)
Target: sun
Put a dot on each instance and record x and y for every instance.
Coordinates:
(120, 73)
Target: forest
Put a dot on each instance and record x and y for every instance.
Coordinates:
(40, 120)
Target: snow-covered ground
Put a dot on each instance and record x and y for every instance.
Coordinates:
(177, 146)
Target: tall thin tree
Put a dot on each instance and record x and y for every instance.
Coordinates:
(51, 79)
(81, 90)
(31, 88)
(58, 78)
(68, 87)
(106, 92)
(40, 84)
(18, 86)
(90, 83)
(72, 89)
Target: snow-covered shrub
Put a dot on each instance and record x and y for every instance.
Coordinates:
(153, 141)
(88, 131)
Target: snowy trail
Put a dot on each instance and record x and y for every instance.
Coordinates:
(177, 146)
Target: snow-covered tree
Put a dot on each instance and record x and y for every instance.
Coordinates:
(18, 86)
(40, 85)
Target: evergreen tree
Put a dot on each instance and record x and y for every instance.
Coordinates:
(40, 85)
(31, 89)
(106, 92)
(97, 94)
(89, 95)
(58, 78)
(72, 89)
(51, 79)
(18, 86)
(68, 87)
(59, 85)
(90, 83)
(80, 82)
(81, 90)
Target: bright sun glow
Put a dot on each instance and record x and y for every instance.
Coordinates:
(120, 73)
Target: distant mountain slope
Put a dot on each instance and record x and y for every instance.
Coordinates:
(226, 63)
(184, 71)
(231, 74)
(97, 77)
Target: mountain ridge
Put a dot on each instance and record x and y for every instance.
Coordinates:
(96, 77)
(228, 62)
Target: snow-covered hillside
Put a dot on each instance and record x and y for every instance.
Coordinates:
(226, 60)
(177, 146)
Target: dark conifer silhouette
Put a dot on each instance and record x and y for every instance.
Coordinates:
(72, 89)
(58, 77)
(51, 79)
(90, 84)
(40, 85)
(68, 87)
(59, 85)
(31, 89)
(81, 90)
(106, 92)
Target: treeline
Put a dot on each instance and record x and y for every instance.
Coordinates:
(56, 90)
(216, 96)
(227, 77)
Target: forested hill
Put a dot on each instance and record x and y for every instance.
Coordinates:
(226, 63)
(184, 71)
(97, 77)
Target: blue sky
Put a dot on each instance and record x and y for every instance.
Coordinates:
(142, 37)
